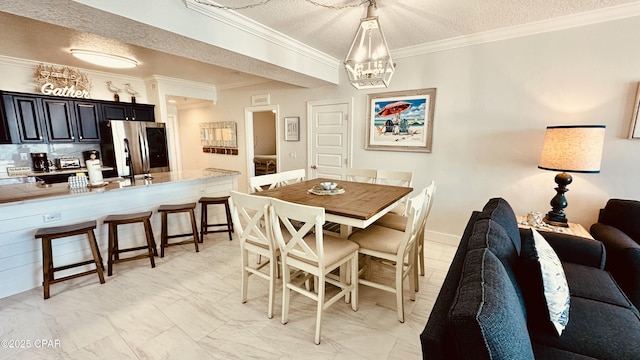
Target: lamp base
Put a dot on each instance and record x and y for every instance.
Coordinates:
(556, 216)
(560, 223)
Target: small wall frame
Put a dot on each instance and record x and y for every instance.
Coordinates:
(634, 131)
(292, 128)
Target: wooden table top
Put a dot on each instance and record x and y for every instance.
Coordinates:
(360, 200)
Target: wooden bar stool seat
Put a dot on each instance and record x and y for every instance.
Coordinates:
(176, 209)
(204, 222)
(51, 233)
(114, 248)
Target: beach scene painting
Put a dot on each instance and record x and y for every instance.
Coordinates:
(401, 121)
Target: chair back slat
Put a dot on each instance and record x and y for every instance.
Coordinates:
(303, 225)
(361, 175)
(272, 181)
(249, 214)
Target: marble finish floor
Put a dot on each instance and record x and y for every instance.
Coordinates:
(189, 307)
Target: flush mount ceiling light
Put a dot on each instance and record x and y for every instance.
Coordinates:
(106, 60)
(368, 61)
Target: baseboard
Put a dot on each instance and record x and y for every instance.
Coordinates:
(443, 238)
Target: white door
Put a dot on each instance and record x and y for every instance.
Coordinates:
(329, 138)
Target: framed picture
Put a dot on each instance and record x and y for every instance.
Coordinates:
(401, 120)
(292, 128)
(634, 132)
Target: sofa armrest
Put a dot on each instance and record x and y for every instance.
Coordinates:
(613, 238)
(573, 249)
(623, 259)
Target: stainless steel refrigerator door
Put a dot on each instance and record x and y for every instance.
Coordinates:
(156, 155)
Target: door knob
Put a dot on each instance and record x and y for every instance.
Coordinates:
(314, 167)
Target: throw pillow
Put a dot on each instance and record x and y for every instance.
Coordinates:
(546, 290)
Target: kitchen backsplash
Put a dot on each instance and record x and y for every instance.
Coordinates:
(20, 155)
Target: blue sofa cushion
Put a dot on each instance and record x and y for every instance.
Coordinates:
(499, 210)
(595, 284)
(489, 234)
(597, 329)
(485, 317)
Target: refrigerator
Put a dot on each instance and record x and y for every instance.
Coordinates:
(135, 148)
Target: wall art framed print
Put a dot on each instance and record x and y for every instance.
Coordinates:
(292, 128)
(401, 120)
(634, 131)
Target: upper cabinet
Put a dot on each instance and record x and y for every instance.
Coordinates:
(87, 121)
(23, 116)
(48, 119)
(133, 112)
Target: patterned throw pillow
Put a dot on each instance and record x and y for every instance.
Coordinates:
(554, 282)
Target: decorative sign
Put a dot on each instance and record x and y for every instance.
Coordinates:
(62, 81)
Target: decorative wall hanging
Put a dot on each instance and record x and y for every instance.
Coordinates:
(292, 128)
(62, 81)
(401, 120)
(634, 132)
(219, 137)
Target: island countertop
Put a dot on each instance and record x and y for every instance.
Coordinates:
(27, 192)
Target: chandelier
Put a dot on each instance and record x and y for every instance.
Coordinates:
(368, 62)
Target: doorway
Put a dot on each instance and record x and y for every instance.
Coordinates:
(262, 138)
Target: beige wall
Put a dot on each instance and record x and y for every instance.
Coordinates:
(493, 104)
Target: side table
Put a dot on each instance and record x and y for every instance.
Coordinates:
(573, 229)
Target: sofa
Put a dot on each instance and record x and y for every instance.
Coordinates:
(618, 228)
(489, 304)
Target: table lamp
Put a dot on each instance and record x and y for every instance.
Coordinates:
(574, 148)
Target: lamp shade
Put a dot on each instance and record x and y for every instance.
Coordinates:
(576, 148)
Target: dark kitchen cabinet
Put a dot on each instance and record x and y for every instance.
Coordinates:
(23, 117)
(58, 119)
(133, 112)
(87, 121)
(5, 134)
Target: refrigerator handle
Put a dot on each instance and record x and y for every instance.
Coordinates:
(144, 150)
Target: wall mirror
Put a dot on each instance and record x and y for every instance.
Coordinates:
(218, 134)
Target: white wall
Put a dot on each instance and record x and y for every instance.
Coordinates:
(493, 104)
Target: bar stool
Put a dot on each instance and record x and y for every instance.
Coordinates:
(51, 233)
(114, 248)
(174, 209)
(204, 222)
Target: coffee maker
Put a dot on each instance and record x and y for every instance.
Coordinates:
(40, 161)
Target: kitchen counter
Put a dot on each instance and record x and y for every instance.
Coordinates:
(20, 193)
(24, 208)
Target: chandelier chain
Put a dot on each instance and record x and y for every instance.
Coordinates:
(264, 2)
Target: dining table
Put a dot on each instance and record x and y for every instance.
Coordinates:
(353, 204)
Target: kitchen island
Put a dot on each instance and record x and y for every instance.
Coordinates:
(26, 207)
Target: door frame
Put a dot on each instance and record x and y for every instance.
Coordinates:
(310, 127)
(248, 126)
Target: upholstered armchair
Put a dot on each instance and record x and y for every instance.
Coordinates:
(618, 227)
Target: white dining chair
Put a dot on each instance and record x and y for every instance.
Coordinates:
(315, 254)
(396, 178)
(272, 181)
(399, 222)
(250, 217)
(361, 175)
(394, 249)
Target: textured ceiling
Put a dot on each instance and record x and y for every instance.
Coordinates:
(405, 23)
(45, 32)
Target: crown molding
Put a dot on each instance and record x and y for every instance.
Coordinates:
(245, 24)
(534, 28)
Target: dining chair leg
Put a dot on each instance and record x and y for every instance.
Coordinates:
(273, 269)
(320, 287)
(286, 293)
(245, 274)
(354, 282)
(399, 293)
